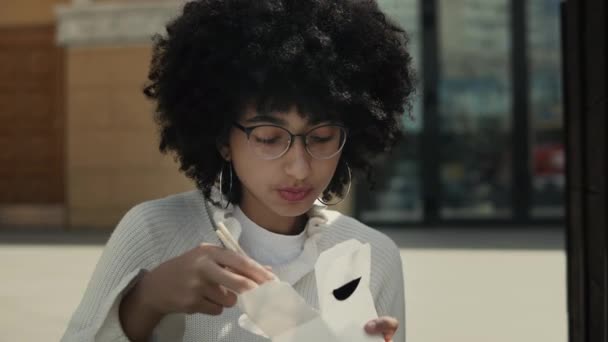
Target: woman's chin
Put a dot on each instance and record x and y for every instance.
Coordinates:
(287, 208)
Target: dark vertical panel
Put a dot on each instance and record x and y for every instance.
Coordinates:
(587, 77)
(573, 124)
(430, 134)
(595, 110)
(521, 126)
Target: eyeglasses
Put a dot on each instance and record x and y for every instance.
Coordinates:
(271, 142)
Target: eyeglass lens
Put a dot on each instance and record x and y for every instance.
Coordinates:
(270, 142)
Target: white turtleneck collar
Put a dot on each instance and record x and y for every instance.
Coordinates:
(266, 247)
(290, 263)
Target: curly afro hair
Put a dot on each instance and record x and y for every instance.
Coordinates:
(340, 60)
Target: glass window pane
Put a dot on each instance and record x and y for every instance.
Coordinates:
(475, 109)
(548, 178)
(396, 197)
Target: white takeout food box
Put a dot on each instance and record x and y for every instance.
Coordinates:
(275, 310)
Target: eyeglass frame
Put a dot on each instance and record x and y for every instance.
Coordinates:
(248, 130)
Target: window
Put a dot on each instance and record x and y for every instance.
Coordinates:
(545, 108)
(474, 109)
(397, 196)
(490, 138)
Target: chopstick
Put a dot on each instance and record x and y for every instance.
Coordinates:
(228, 240)
(224, 234)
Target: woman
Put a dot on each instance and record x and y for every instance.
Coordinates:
(267, 105)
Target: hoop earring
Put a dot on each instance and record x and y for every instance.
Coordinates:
(221, 184)
(350, 181)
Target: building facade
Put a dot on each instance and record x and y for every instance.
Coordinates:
(79, 146)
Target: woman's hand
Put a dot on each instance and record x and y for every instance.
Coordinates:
(205, 280)
(385, 325)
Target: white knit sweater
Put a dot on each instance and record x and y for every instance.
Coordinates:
(155, 231)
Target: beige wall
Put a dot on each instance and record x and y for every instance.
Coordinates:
(112, 155)
(28, 12)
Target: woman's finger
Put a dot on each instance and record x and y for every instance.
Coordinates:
(242, 265)
(219, 295)
(206, 306)
(231, 280)
(387, 326)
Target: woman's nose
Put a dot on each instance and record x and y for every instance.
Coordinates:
(298, 164)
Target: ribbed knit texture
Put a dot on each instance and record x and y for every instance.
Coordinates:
(155, 231)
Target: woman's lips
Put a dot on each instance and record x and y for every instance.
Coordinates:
(294, 195)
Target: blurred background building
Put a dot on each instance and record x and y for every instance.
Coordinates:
(461, 154)
(78, 145)
(483, 149)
